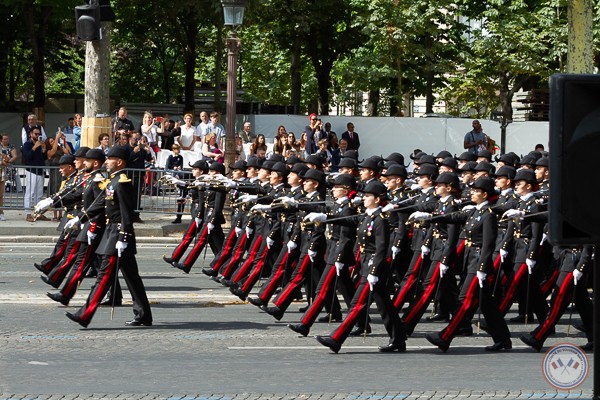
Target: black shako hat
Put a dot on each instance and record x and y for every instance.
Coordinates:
(217, 166)
(484, 183)
(239, 164)
(95, 154)
(314, 174)
(345, 180)
(375, 187)
(67, 159)
(81, 152)
(396, 169)
(117, 151)
(526, 175)
(200, 164)
(507, 171)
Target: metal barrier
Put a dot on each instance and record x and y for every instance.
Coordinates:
(153, 194)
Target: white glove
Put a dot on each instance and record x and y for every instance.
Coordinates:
(230, 183)
(288, 200)
(357, 200)
(249, 231)
(503, 255)
(43, 205)
(73, 223)
(291, 246)
(372, 279)
(120, 246)
(530, 264)
(238, 230)
(316, 217)
(312, 254)
(91, 236)
(200, 184)
(198, 222)
(424, 251)
(338, 267)
(245, 198)
(395, 252)
(443, 269)
(415, 186)
(210, 227)
(481, 276)
(388, 207)
(469, 207)
(513, 214)
(270, 242)
(544, 238)
(260, 207)
(176, 181)
(220, 177)
(577, 275)
(419, 216)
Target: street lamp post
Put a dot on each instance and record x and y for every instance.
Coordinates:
(233, 11)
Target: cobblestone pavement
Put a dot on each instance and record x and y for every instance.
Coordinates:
(206, 344)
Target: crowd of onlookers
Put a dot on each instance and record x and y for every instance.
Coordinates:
(206, 138)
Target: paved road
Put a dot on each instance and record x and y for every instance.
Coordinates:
(207, 345)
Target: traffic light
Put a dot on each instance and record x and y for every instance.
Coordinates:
(87, 19)
(574, 156)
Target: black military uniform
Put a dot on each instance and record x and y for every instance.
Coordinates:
(340, 242)
(480, 235)
(373, 240)
(119, 199)
(197, 211)
(525, 237)
(311, 238)
(93, 219)
(442, 238)
(425, 202)
(281, 270)
(68, 197)
(567, 289)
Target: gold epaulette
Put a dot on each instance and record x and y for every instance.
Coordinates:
(124, 179)
(98, 177)
(103, 184)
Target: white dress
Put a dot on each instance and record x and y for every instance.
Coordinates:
(187, 135)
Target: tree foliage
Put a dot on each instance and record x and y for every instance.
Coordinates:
(312, 54)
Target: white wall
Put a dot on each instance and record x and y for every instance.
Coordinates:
(378, 135)
(384, 135)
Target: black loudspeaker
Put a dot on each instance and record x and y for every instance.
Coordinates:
(87, 18)
(574, 159)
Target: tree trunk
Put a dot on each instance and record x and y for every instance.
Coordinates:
(4, 75)
(37, 38)
(580, 53)
(429, 97)
(373, 107)
(190, 68)
(296, 76)
(394, 97)
(506, 96)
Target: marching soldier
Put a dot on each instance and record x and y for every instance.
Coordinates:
(71, 189)
(480, 234)
(199, 168)
(373, 241)
(118, 246)
(340, 242)
(570, 288)
(93, 218)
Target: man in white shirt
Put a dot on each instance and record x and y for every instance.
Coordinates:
(202, 126)
(32, 122)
